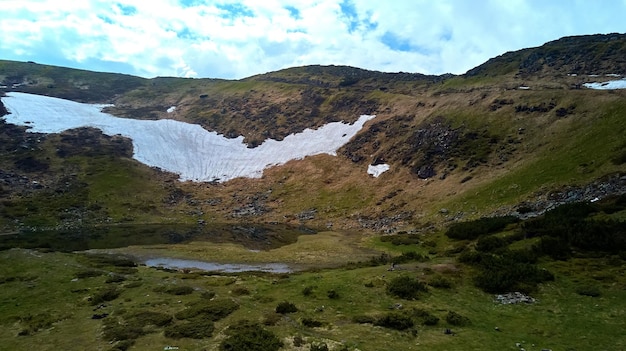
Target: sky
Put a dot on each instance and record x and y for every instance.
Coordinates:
(237, 39)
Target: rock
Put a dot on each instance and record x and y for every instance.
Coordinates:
(513, 298)
(99, 315)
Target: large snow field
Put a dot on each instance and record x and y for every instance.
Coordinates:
(186, 149)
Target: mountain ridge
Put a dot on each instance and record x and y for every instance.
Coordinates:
(472, 144)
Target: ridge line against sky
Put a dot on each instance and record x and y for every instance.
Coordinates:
(237, 39)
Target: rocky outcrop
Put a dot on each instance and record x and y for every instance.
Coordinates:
(611, 185)
(513, 298)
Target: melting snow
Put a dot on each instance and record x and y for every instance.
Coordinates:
(377, 170)
(186, 149)
(171, 109)
(612, 84)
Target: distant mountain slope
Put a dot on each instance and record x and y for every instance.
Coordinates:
(583, 55)
(66, 83)
(506, 135)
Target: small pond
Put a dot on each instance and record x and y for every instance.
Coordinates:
(175, 263)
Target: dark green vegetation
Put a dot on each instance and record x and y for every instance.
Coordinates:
(490, 192)
(443, 299)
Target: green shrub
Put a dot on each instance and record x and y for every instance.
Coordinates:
(308, 290)
(440, 282)
(470, 257)
(249, 336)
(321, 346)
(456, 319)
(589, 290)
(394, 320)
(36, 322)
(406, 287)
(401, 239)
(116, 330)
(424, 317)
(175, 290)
(133, 284)
(332, 294)
(89, 273)
(213, 310)
(363, 319)
(311, 323)
(115, 278)
(556, 248)
(490, 243)
(104, 260)
(240, 291)
(272, 318)
(106, 294)
(286, 307)
(144, 318)
(410, 256)
(197, 329)
(207, 295)
(122, 345)
(473, 229)
(298, 341)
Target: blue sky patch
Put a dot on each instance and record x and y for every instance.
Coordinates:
(232, 11)
(185, 33)
(106, 19)
(394, 42)
(127, 10)
(349, 12)
(189, 3)
(294, 12)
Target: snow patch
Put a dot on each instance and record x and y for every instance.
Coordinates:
(186, 149)
(612, 84)
(377, 170)
(171, 109)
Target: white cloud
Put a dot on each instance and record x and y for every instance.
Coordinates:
(235, 39)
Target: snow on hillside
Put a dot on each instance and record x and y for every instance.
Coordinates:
(612, 84)
(377, 170)
(186, 149)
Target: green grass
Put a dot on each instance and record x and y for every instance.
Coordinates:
(580, 152)
(35, 284)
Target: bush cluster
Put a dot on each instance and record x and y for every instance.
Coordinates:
(286, 307)
(197, 329)
(212, 310)
(311, 323)
(456, 319)
(175, 290)
(401, 239)
(424, 317)
(406, 287)
(249, 336)
(395, 320)
(569, 226)
(106, 294)
(473, 229)
(511, 270)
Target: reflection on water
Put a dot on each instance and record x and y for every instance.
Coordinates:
(174, 263)
(251, 236)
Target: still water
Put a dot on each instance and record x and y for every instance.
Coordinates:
(174, 263)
